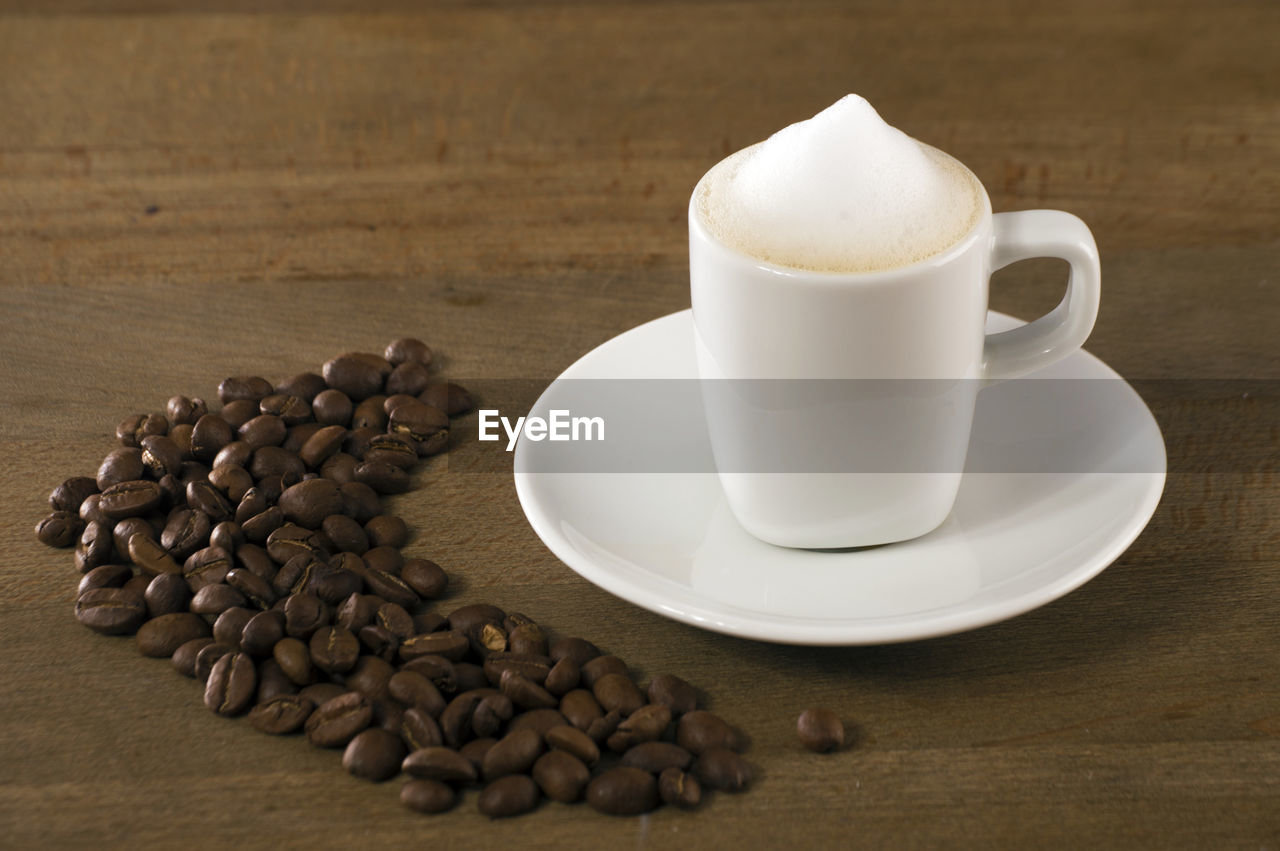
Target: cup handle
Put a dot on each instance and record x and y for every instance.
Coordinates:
(1044, 233)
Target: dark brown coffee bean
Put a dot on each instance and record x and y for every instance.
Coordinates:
(184, 658)
(261, 633)
(368, 415)
(700, 731)
(617, 691)
(309, 502)
(382, 476)
(656, 757)
(514, 753)
(250, 387)
(393, 449)
(127, 528)
(229, 626)
(385, 559)
(235, 454)
(332, 407)
(646, 724)
(209, 656)
(419, 729)
(623, 791)
(721, 768)
(601, 665)
(466, 618)
(536, 669)
(573, 740)
(346, 534)
(527, 638)
(160, 456)
(137, 586)
(356, 374)
(272, 682)
(581, 708)
(379, 641)
(579, 650)
(334, 649)
(408, 349)
(123, 464)
(291, 410)
(208, 566)
(820, 730)
(295, 660)
(679, 789)
(239, 412)
(216, 599)
(374, 754)
(228, 535)
(304, 385)
(490, 714)
(261, 527)
(453, 399)
(439, 670)
(408, 379)
(451, 644)
(674, 693)
(232, 683)
(455, 719)
(419, 423)
(151, 558)
(90, 511)
(304, 614)
(94, 547)
(209, 434)
(337, 721)
(537, 720)
(390, 588)
(105, 576)
(111, 611)
(254, 559)
(331, 582)
(386, 530)
(357, 611)
(254, 588)
(487, 639)
(427, 796)
(561, 776)
(182, 410)
(525, 693)
(562, 678)
(129, 499)
(426, 621)
(272, 462)
(161, 636)
(166, 593)
(511, 795)
(59, 529)
(469, 676)
(603, 727)
(187, 531)
(425, 577)
(370, 676)
(205, 497)
(321, 693)
(281, 715)
(71, 494)
(440, 763)
(395, 620)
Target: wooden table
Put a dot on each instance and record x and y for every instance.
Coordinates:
(190, 195)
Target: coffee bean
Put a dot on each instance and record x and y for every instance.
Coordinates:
(150, 557)
(262, 632)
(208, 566)
(393, 589)
(161, 636)
(525, 693)
(573, 740)
(451, 645)
(425, 427)
(123, 464)
(427, 796)
(408, 350)
(623, 791)
(537, 720)
(409, 378)
(166, 593)
(187, 531)
(386, 530)
(440, 763)
(679, 789)
(674, 693)
(562, 678)
(205, 497)
(216, 599)
(513, 753)
(292, 410)
(126, 529)
(105, 576)
(384, 477)
(281, 715)
(184, 658)
(337, 721)
(392, 448)
(581, 708)
(160, 456)
(820, 730)
(455, 719)
(374, 754)
(700, 730)
(111, 611)
(209, 434)
(334, 649)
(129, 499)
(507, 796)
(646, 724)
(345, 533)
(356, 375)
(309, 502)
(596, 668)
(251, 387)
(370, 676)
(229, 626)
(256, 590)
(617, 691)
(272, 682)
(419, 729)
(304, 614)
(209, 656)
(94, 547)
(71, 494)
(59, 529)
(527, 638)
(414, 689)
(655, 757)
(321, 693)
(603, 727)
(231, 685)
(579, 650)
(490, 714)
(182, 410)
(561, 776)
(721, 768)
(533, 668)
(295, 660)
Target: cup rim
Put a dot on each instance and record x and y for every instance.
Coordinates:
(933, 261)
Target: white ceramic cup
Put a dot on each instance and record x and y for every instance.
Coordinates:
(860, 387)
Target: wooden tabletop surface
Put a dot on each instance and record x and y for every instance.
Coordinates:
(188, 194)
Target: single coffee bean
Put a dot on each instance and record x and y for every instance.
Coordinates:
(129, 499)
(820, 730)
(272, 682)
(563, 677)
(346, 534)
(384, 477)
(674, 693)
(487, 638)
(721, 768)
(332, 407)
(256, 590)
(272, 466)
(304, 614)
(166, 593)
(94, 547)
(700, 731)
(262, 632)
(209, 656)
(281, 715)
(679, 789)
(126, 529)
(187, 531)
(408, 349)
(451, 644)
(453, 399)
(561, 776)
(414, 689)
(209, 434)
(533, 668)
(123, 464)
(150, 557)
(455, 720)
(427, 796)
(251, 387)
(646, 724)
(356, 374)
(182, 410)
(111, 611)
(439, 670)
(184, 658)
(295, 660)
(105, 576)
(337, 721)
(304, 385)
(232, 683)
(334, 649)
(525, 693)
(603, 727)
(59, 529)
(392, 448)
(617, 691)
(490, 714)
(537, 720)
(205, 497)
(228, 535)
(368, 416)
(574, 741)
(229, 626)
(513, 753)
(420, 730)
(425, 427)
(216, 599)
(370, 676)
(425, 577)
(208, 566)
(579, 650)
(601, 665)
(309, 502)
(71, 493)
(511, 795)
(357, 611)
(440, 763)
(292, 410)
(581, 708)
(374, 754)
(408, 380)
(656, 757)
(386, 530)
(623, 791)
(161, 636)
(161, 456)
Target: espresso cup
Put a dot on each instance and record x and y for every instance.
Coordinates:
(839, 405)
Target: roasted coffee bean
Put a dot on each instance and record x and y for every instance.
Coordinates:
(536, 669)
(254, 559)
(455, 719)
(71, 494)
(309, 502)
(525, 693)
(229, 626)
(386, 530)
(187, 531)
(453, 399)
(356, 374)
(235, 454)
(421, 424)
(374, 754)
(393, 449)
(205, 497)
(573, 740)
(331, 582)
(272, 466)
(511, 795)
(514, 753)
(581, 708)
(228, 535)
(137, 586)
(674, 693)
(419, 729)
(91, 511)
(603, 727)
(160, 456)
(346, 533)
(617, 691)
(216, 599)
(561, 776)
(321, 693)
(166, 593)
(295, 660)
(623, 791)
(700, 731)
(439, 670)
(579, 650)
(385, 559)
(184, 658)
(721, 768)
(290, 409)
(304, 614)
(466, 618)
(440, 763)
(151, 558)
(208, 566)
(428, 621)
(408, 349)
(409, 379)
(129, 499)
(59, 529)
(425, 577)
(304, 385)
(469, 676)
(396, 620)
(451, 644)
(281, 715)
(239, 412)
(679, 789)
(105, 576)
(427, 796)
(341, 467)
(123, 464)
(126, 529)
(209, 656)
(111, 611)
(231, 685)
(656, 757)
(384, 477)
(527, 638)
(337, 721)
(255, 589)
(332, 407)
(182, 410)
(563, 677)
(209, 434)
(370, 676)
(261, 527)
(160, 636)
(357, 611)
(251, 387)
(537, 720)
(820, 730)
(646, 724)
(334, 649)
(601, 665)
(487, 638)
(94, 547)
(379, 641)
(272, 682)
(388, 715)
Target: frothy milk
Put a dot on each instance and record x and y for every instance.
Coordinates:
(841, 192)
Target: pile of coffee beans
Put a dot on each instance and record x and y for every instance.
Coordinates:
(250, 546)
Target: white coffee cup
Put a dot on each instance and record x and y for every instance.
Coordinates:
(861, 386)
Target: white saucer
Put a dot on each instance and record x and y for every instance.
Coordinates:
(1015, 540)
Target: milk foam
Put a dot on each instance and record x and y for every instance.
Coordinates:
(841, 192)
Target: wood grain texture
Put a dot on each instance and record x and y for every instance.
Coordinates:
(189, 191)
